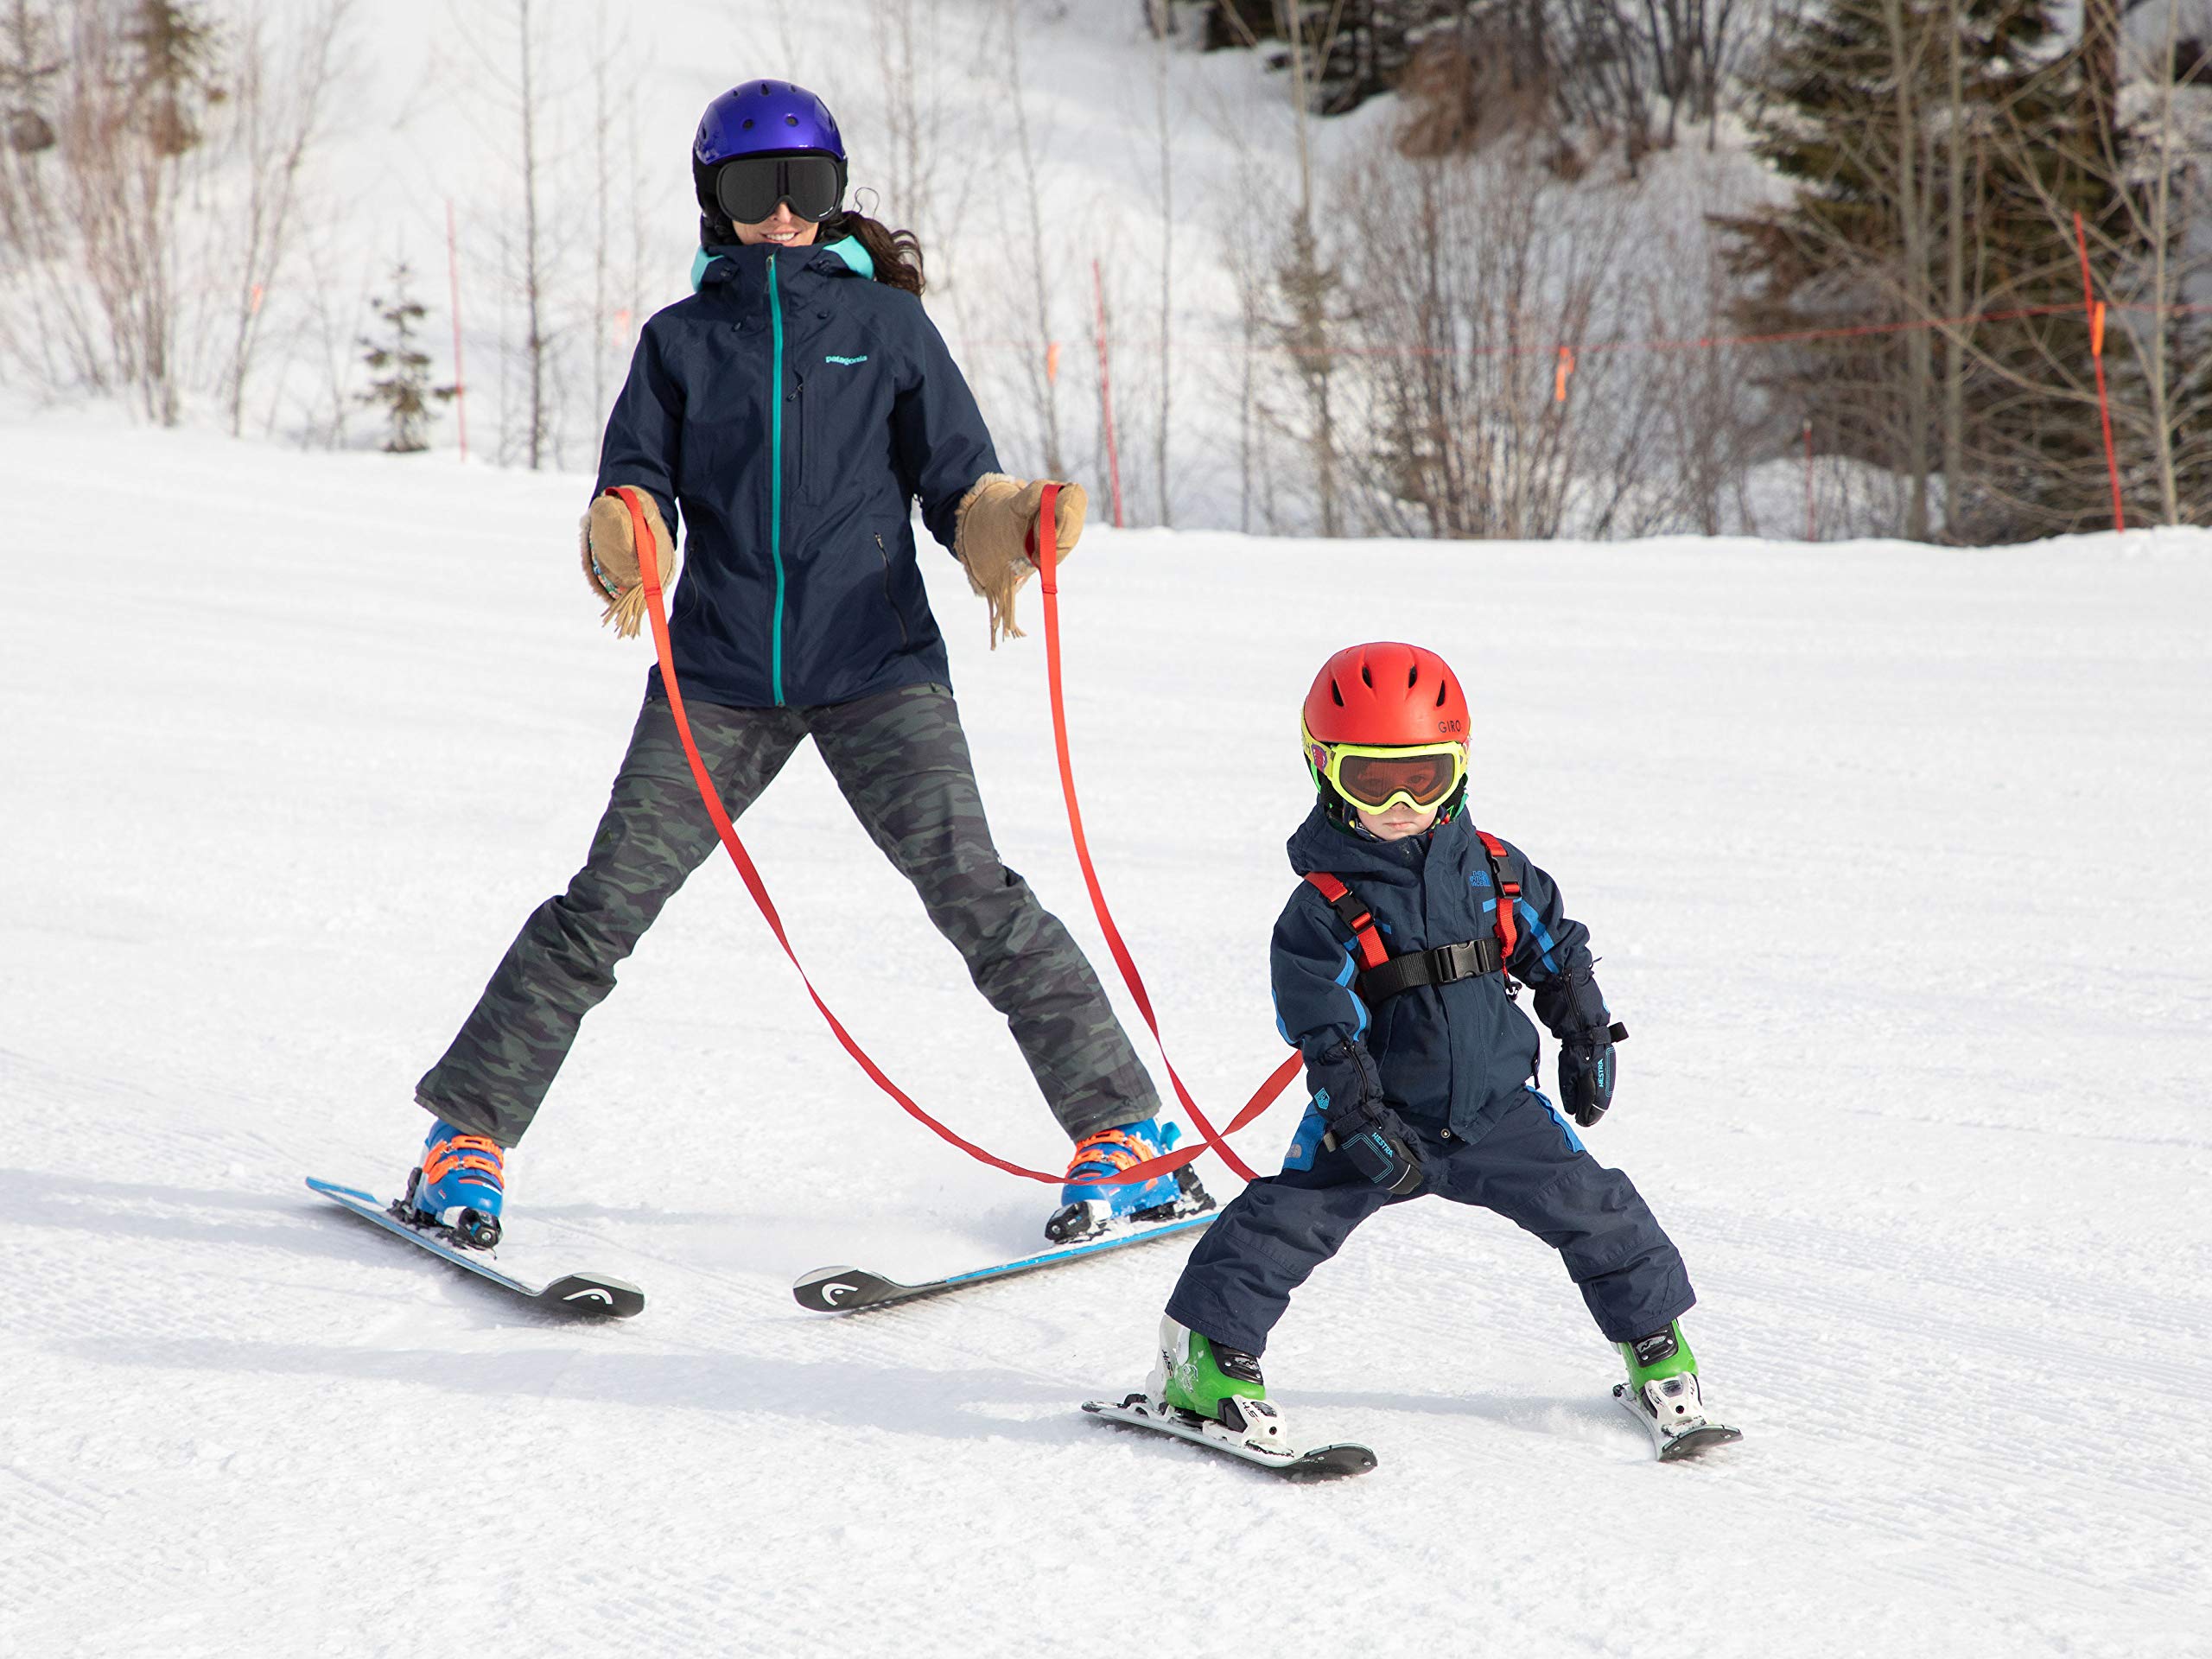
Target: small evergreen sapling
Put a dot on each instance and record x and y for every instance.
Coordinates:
(404, 391)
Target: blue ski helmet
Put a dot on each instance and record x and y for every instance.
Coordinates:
(761, 117)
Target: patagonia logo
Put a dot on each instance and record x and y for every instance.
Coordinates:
(845, 362)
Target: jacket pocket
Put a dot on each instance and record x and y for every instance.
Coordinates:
(801, 446)
(890, 598)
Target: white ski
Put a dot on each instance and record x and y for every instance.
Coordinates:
(586, 1296)
(1315, 1463)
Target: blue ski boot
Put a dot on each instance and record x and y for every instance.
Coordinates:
(458, 1188)
(1092, 1205)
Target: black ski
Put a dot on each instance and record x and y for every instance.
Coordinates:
(583, 1296)
(850, 1290)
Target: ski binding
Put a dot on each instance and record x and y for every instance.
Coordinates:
(1672, 1411)
(579, 1295)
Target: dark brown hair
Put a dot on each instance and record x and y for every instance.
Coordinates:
(897, 254)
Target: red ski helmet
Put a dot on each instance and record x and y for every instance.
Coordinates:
(1385, 696)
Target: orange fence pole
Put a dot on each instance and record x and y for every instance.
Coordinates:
(2095, 312)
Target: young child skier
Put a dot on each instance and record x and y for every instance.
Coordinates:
(1393, 968)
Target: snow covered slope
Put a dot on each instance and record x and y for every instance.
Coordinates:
(1894, 857)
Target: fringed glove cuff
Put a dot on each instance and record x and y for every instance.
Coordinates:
(990, 536)
(610, 559)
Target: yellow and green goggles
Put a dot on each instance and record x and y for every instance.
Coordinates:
(1376, 779)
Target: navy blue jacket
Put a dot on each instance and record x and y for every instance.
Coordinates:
(1452, 1055)
(787, 415)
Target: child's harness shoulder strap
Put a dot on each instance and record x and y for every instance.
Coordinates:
(1354, 913)
(1509, 893)
(1384, 975)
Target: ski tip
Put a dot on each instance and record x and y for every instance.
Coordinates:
(841, 1290)
(1329, 1462)
(588, 1296)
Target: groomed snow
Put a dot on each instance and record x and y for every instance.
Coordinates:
(1895, 857)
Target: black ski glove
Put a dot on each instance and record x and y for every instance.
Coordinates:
(1587, 1068)
(1366, 1130)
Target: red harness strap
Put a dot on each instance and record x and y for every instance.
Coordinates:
(1509, 893)
(1355, 914)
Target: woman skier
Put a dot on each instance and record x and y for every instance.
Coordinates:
(791, 411)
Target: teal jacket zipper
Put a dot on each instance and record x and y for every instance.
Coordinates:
(776, 482)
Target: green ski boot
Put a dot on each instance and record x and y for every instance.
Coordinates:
(1663, 1394)
(1219, 1387)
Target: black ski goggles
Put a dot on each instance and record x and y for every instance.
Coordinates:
(748, 187)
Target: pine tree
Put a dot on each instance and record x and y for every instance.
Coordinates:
(405, 389)
(1938, 149)
(1363, 46)
(174, 76)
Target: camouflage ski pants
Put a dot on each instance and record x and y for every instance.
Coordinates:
(902, 761)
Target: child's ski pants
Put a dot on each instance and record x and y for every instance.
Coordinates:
(1529, 1167)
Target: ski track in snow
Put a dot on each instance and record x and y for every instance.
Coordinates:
(1890, 854)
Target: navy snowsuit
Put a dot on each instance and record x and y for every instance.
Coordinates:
(791, 410)
(1457, 1063)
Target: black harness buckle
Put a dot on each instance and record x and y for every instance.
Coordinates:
(1440, 965)
(1466, 960)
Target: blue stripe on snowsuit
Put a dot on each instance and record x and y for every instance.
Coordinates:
(1527, 912)
(1351, 972)
(1305, 1139)
(1574, 1140)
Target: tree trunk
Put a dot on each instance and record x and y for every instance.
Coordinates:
(1918, 359)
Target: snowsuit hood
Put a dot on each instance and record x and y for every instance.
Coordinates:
(787, 415)
(1455, 1055)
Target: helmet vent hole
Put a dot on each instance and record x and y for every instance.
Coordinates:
(790, 120)
(749, 123)
(1412, 674)
(1442, 688)
(1366, 677)
(1337, 692)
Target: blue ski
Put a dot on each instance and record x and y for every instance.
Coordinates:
(848, 1290)
(576, 1294)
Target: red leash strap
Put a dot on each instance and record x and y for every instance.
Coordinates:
(1045, 549)
(648, 567)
